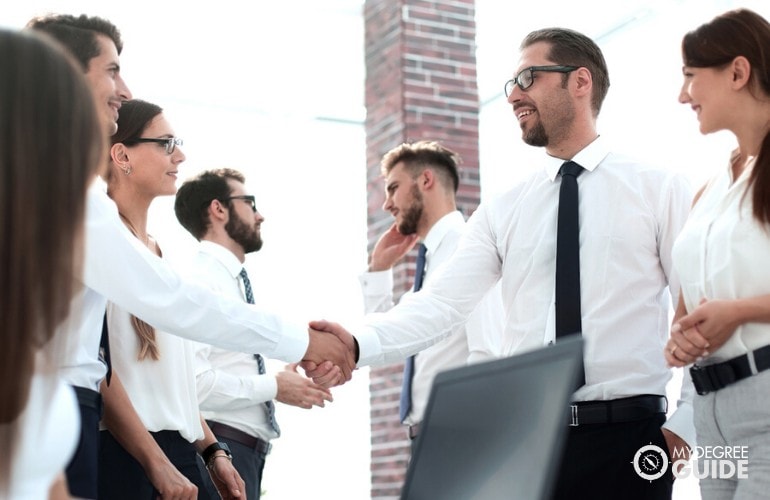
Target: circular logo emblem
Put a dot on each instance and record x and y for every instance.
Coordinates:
(650, 462)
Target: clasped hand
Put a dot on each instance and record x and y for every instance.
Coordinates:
(331, 355)
(701, 332)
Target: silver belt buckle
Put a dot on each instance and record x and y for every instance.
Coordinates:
(573, 410)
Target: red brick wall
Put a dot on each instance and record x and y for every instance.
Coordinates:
(420, 84)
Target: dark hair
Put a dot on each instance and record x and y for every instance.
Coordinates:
(420, 155)
(568, 47)
(78, 34)
(134, 117)
(716, 44)
(51, 146)
(195, 195)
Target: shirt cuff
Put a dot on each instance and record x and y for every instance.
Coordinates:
(292, 345)
(681, 423)
(369, 346)
(376, 282)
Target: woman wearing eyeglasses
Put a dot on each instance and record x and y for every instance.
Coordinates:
(153, 371)
(723, 320)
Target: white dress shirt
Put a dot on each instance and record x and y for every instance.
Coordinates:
(722, 254)
(630, 214)
(161, 391)
(486, 321)
(230, 389)
(119, 268)
(49, 428)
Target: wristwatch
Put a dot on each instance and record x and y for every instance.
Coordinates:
(208, 453)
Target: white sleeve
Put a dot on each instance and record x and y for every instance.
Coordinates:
(118, 267)
(421, 319)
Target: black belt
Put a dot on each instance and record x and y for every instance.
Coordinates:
(89, 398)
(616, 410)
(711, 378)
(233, 434)
(412, 431)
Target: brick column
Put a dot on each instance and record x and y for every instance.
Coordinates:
(420, 84)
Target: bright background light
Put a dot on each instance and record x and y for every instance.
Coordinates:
(275, 89)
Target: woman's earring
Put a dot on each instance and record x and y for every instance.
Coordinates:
(127, 169)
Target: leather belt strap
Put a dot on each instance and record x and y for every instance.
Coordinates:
(714, 377)
(616, 410)
(233, 434)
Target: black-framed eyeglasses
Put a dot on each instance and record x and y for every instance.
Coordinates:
(526, 77)
(247, 197)
(170, 143)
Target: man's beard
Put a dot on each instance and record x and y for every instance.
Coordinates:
(537, 136)
(243, 234)
(413, 214)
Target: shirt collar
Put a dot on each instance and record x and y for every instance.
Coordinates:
(452, 220)
(223, 255)
(589, 158)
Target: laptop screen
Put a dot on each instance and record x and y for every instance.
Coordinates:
(496, 429)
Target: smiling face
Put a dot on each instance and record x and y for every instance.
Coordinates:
(704, 90)
(107, 84)
(545, 111)
(153, 171)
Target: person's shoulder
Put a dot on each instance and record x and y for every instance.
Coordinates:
(653, 170)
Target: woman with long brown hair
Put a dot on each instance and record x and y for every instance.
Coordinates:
(723, 319)
(51, 146)
(155, 370)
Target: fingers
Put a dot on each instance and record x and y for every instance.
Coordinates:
(333, 378)
(685, 346)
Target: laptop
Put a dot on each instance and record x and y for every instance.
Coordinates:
(496, 430)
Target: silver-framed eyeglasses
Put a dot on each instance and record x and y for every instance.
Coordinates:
(170, 143)
(526, 77)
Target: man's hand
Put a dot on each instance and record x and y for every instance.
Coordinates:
(677, 447)
(390, 248)
(296, 390)
(226, 479)
(335, 345)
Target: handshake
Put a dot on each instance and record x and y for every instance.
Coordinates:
(331, 355)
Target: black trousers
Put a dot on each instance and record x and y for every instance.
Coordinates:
(121, 477)
(598, 462)
(82, 471)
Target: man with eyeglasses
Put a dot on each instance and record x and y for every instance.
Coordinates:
(618, 295)
(234, 392)
(116, 269)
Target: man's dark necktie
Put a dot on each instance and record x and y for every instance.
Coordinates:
(568, 316)
(104, 349)
(260, 361)
(405, 403)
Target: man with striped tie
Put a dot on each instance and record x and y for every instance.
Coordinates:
(234, 392)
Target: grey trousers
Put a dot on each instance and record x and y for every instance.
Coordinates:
(736, 416)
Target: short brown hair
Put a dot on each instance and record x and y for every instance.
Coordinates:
(420, 155)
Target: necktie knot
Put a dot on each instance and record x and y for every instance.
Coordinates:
(571, 168)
